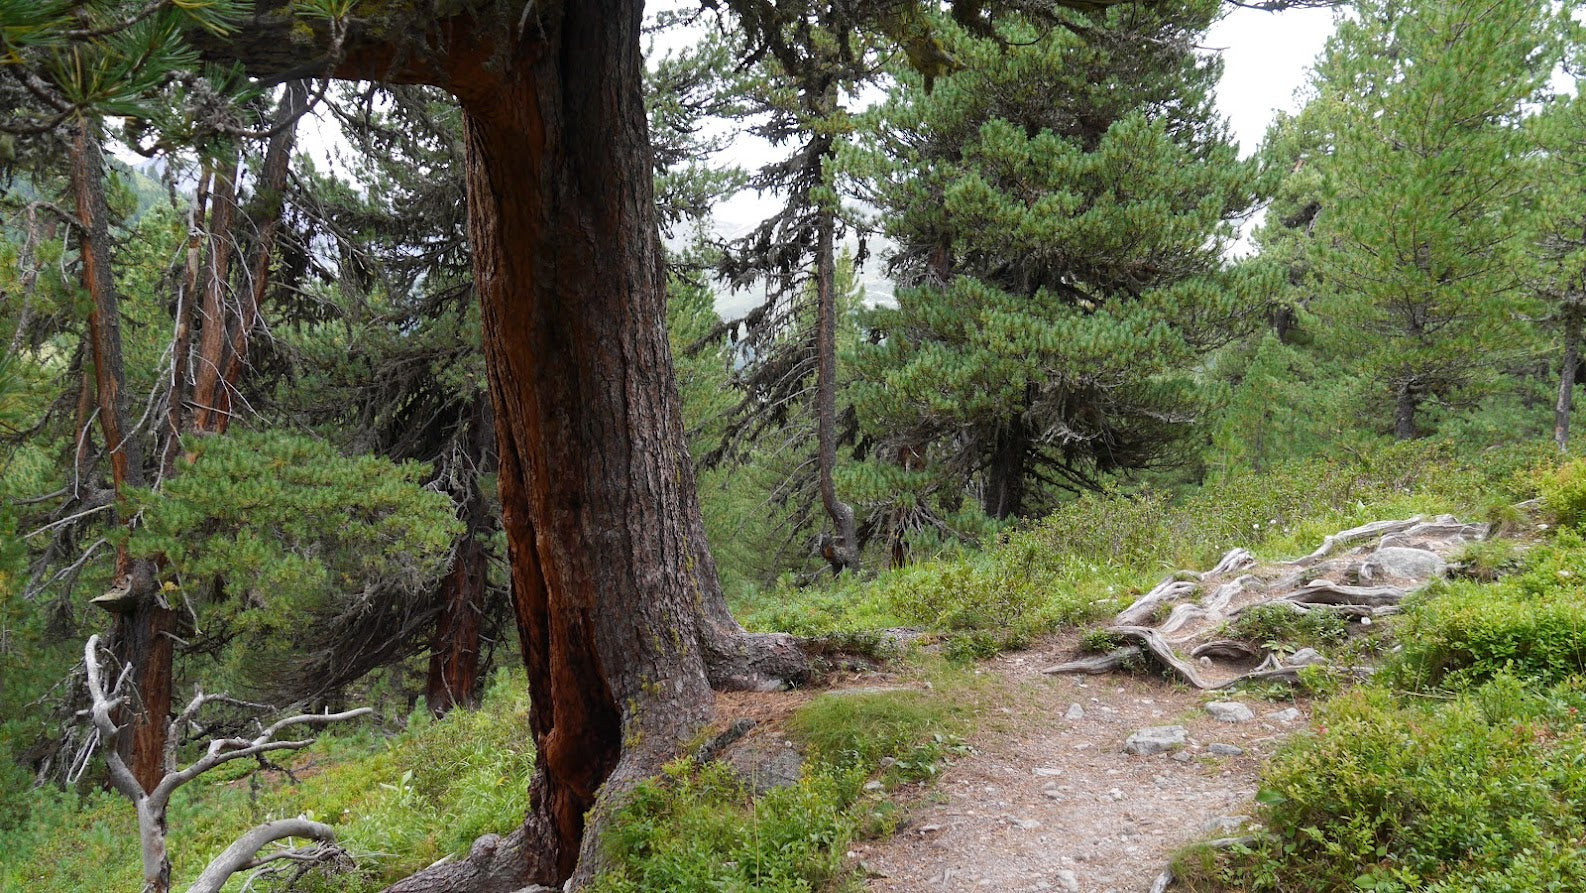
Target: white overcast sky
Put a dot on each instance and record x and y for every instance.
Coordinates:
(1266, 57)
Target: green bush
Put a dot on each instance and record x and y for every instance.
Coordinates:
(1563, 492)
(1278, 627)
(1487, 792)
(1531, 624)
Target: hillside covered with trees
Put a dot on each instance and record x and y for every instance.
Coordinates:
(386, 504)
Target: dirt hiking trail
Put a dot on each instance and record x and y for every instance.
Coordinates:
(1087, 780)
(1049, 803)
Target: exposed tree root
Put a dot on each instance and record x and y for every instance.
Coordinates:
(1190, 641)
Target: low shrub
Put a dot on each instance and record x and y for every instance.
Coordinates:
(1563, 492)
(1278, 627)
(1531, 624)
(1485, 792)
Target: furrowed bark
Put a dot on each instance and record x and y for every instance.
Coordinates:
(589, 435)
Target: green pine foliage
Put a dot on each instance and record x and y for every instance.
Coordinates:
(264, 533)
(1416, 235)
(1060, 228)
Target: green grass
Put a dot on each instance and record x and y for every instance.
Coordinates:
(1100, 551)
(699, 828)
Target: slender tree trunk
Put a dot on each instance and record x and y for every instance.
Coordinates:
(910, 457)
(1407, 400)
(1004, 495)
(268, 207)
(1566, 379)
(182, 341)
(143, 622)
(454, 654)
(211, 391)
(841, 514)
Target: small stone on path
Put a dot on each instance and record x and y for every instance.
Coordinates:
(1229, 711)
(1075, 712)
(1068, 880)
(1292, 714)
(1154, 740)
(1225, 750)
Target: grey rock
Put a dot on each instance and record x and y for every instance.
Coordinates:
(765, 764)
(1305, 657)
(1225, 750)
(1400, 563)
(1229, 711)
(1292, 714)
(1074, 712)
(1183, 756)
(1067, 880)
(1154, 740)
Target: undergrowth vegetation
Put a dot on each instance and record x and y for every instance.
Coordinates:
(397, 805)
(1462, 766)
(1099, 551)
(699, 827)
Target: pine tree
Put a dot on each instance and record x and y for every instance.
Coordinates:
(1061, 207)
(814, 55)
(1556, 236)
(1416, 233)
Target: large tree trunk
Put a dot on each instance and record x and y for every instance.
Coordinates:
(846, 554)
(1004, 492)
(602, 523)
(1406, 401)
(619, 612)
(143, 622)
(1566, 379)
